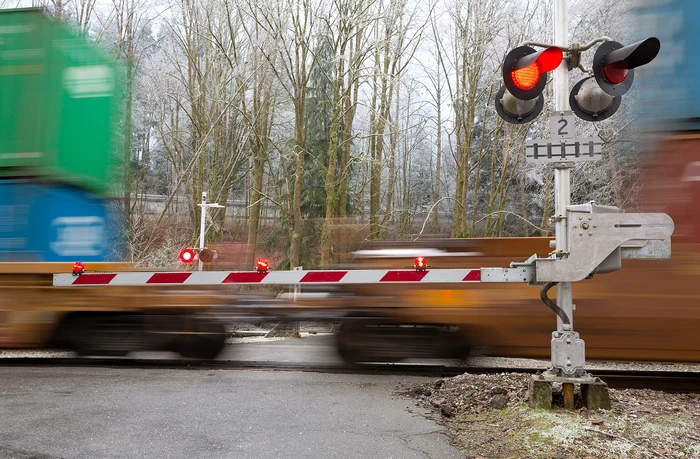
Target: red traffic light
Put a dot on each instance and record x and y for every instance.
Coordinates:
(421, 264)
(262, 265)
(78, 268)
(187, 255)
(524, 77)
(614, 64)
(524, 69)
(528, 76)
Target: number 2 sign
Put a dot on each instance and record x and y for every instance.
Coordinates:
(562, 126)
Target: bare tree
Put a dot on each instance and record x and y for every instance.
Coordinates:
(394, 50)
(348, 21)
(293, 25)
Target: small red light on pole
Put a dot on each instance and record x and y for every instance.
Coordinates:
(78, 268)
(187, 255)
(262, 265)
(421, 264)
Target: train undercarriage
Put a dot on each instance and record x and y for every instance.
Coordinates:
(104, 322)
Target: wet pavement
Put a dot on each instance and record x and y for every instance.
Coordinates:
(57, 412)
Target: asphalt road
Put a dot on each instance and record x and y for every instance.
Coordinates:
(131, 413)
(311, 349)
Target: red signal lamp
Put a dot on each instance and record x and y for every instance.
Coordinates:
(207, 255)
(421, 264)
(187, 255)
(524, 77)
(597, 98)
(525, 69)
(78, 268)
(614, 63)
(262, 265)
(616, 72)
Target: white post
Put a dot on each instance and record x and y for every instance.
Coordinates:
(202, 224)
(561, 74)
(562, 192)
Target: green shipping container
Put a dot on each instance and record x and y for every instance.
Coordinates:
(57, 103)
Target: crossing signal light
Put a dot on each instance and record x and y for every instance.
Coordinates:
(187, 255)
(204, 255)
(597, 98)
(524, 77)
(78, 268)
(421, 264)
(262, 265)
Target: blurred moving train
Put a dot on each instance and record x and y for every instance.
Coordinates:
(649, 310)
(58, 109)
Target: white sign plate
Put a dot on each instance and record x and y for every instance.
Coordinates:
(562, 126)
(552, 151)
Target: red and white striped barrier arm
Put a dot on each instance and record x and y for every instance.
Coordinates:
(400, 276)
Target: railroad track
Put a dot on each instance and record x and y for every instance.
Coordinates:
(669, 381)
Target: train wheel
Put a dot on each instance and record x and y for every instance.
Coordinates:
(377, 340)
(367, 341)
(108, 335)
(204, 339)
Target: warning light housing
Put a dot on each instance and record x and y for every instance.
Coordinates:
(187, 255)
(78, 268)
(421, 264)
(614, 64)
(525, 70)
(597, 98)
(524, 77)
(262, 265)
(589, 102)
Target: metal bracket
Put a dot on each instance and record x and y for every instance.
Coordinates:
(568, 353)
(522, 273)
(599, 237)
(573, 57)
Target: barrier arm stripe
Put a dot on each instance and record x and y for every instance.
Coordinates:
(368, 276)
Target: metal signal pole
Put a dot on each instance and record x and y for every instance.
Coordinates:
(562, 191)
(203, 223)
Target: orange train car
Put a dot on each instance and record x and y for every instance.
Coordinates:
(103, 321)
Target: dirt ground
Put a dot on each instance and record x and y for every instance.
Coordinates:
(489, 418)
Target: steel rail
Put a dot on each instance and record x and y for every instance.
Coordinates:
(668, 381)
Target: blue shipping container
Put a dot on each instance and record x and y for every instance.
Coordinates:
(668, 85)
(52, 222)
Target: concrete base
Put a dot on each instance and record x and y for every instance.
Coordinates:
(540, 393)
(596, 396)
(594, 392)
